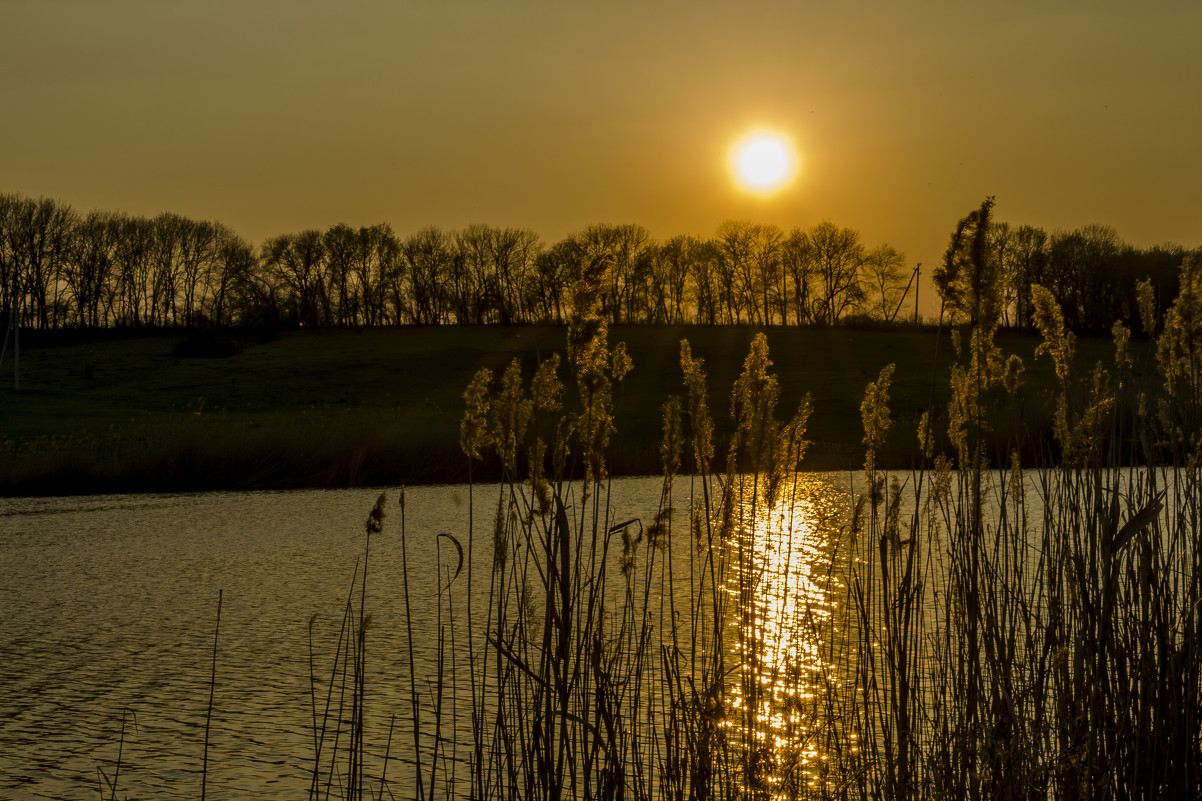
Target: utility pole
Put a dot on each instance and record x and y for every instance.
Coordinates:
(913, 282)
(917, 283)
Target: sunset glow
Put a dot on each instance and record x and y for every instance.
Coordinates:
(763, 161)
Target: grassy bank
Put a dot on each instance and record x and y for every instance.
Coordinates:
(117, 411)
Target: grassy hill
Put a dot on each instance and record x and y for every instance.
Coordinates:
(115, 411)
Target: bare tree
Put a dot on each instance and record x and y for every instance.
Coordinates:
(625, 249)
(89, 264)
(34, 239)
(735, 244)
(296, 264)
(379, 257)
(838, 258)
(884, 278)
(555, 270)
(341, 243)
(428, 256)
(197, 255)
(232, 278)
(798, 266)
(1027, 265)
(513, 252)
(674, 267)
(53, 224)
(707, 283)
(767, 259)
(133, 271)
(1098, 278)
(497, 267)
(1001, 241)
(9, 270)
(165, 261)
(474, 284)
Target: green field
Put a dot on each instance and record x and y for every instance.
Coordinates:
(117, 411)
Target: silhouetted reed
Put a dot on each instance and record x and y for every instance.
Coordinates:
(1001, 631)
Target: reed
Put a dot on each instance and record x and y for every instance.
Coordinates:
(103, 781)
(339, 745)
(204, 771)
(968, 629)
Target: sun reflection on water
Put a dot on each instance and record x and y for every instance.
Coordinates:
(784, 591)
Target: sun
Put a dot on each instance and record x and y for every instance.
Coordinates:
(763, 161)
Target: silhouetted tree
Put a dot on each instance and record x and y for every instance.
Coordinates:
(513, 252)
(735, 241)
(797, 260)
(165, 260)
(969, 279)
(342, 244)
(761, 276)
(296, 265)
(884, 280)
(428, 256)
(473, 282)
(1160, 266)
(133, 271)
(232, 290)
(1081, 272)
(626, 250)
(707, 285)
(35, 236)
(9, 271)
(89, 264)
(556, 269)
(377, 260)
(197, 254)
(673, 268)
(1024, 265)
(1001, 241)
(838, 258)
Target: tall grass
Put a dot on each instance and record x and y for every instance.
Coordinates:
(1002, 631)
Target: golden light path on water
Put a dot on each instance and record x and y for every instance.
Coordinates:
(785, 595)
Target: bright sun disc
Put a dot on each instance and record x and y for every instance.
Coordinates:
(763, 161)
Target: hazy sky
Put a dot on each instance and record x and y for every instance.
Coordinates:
(273, 117)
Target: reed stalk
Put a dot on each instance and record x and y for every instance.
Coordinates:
(204, 770)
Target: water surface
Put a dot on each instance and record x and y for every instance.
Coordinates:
(110, 606)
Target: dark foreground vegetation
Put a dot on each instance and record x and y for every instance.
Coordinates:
(994, 630)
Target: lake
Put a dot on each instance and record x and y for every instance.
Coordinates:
(829, 642)
(111, 602)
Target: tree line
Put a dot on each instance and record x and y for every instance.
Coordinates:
(63, 269)
(1090, 272)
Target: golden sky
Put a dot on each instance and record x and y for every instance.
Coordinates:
(274, 116)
